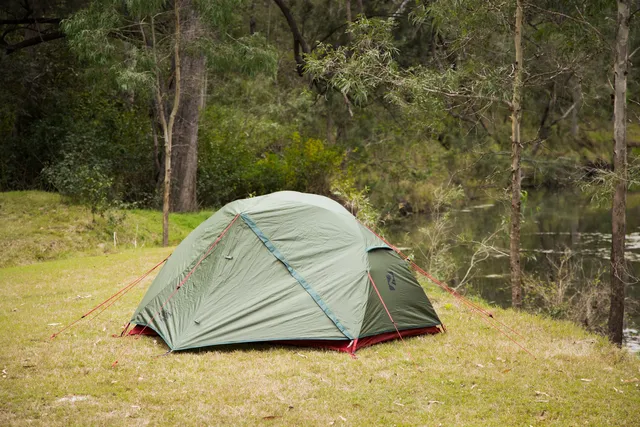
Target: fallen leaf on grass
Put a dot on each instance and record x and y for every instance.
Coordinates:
(479, 365)
(632, 380)
(587, 380)
(342, 418)
(506, 371)
(54, 324)
(302, 355)
(271, 417)
(398, 403)
(431, 402)
(619, 391)
(542, 393)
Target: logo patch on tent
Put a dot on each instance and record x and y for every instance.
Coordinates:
(391, 280)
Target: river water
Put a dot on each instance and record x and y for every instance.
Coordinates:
(554, 222)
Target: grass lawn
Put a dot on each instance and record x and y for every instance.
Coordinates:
(468, 376)
(37, 226)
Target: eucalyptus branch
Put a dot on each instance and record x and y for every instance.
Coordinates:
(580, 20)
(298, 41)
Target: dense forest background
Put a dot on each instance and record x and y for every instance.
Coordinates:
(263, 127)
(391, 107)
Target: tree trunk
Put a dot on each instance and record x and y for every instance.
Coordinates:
(576, 96)
(516, 151)
(185, 134)
(618, 217)
(300, 45)
(166, 196)
(168, 125)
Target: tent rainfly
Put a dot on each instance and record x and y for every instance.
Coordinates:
(287, 267)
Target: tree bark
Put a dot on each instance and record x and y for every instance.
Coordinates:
(299, 42)
(516, 151)
(185, 134)
(576, 96)
(618, 216)
(167, 125)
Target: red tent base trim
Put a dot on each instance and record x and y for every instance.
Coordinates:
(346, 346)
(352, 346)
(142, 330)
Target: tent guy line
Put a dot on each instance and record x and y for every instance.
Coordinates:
(112, 299)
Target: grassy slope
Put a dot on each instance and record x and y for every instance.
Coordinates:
(469, 376)
(37, 226)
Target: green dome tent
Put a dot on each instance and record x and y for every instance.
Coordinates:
(286, 267)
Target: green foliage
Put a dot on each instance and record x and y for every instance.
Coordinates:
(361, 67)
(135, 40)
(405, 104)
(309, 165)
(38, 89)
(356, 201)
(241, 154)
(304, 165)
(600, 183)
(226, 153)
(248, 55)
(105, 154)
(83, 183)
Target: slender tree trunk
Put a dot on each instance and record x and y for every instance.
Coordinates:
(252, 18)
(168, 130)
(576, 96)
(166, 196)
(516, 151)
(618, 217)
(185, 134)
(300, 45)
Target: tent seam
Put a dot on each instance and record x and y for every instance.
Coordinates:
(276, 253)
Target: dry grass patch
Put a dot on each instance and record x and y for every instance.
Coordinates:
(468, 376)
